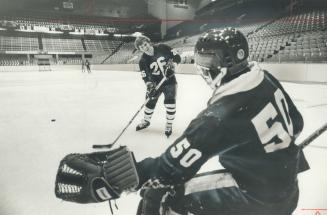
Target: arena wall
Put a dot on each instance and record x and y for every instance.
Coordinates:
(293, 72)
(284, 72)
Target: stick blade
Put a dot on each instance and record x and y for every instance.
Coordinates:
(102, 146)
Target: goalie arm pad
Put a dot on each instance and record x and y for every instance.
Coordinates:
(96, 177)
(120, 170)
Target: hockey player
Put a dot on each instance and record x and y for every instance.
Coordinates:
(250, 122)
(156, 62)
(88, 66)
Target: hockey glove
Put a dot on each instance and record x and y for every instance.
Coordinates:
(162, 201)
(170, 68)
(151, 90)
(96, 177)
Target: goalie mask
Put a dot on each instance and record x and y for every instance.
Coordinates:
(220, 55)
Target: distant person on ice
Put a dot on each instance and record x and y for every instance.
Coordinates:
(156, 62)
(88, 65)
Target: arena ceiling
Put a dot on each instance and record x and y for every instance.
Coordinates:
(87, 5)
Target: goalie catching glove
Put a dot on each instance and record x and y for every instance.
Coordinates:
(96, 177)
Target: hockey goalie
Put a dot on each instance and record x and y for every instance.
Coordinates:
(250, 122)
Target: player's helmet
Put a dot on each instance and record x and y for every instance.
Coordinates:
(140, 40)
(221, 54)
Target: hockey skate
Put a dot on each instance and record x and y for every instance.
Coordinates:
(144, 124)
(169, 129)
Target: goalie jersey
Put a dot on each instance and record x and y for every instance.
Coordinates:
(153, 67)
(251, 123)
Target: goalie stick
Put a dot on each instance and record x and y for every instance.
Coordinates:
(130, 122)
(313, 136)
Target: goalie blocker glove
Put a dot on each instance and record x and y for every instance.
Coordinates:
(96, 177)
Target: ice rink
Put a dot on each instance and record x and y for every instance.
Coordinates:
(44, 116)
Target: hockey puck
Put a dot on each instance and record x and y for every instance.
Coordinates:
(53, 120)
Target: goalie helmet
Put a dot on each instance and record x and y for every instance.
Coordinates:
(220, 55)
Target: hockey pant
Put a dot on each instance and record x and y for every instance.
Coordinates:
(213, 193)
(169, 92)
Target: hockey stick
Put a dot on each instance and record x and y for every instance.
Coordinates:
(313, 136)
(130, 122)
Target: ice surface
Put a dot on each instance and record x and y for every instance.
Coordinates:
(93, 109)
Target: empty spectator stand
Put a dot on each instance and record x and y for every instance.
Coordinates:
(123, 55)
(296, 38)
(58, 44)
(18, 43)
(101, 45)
(313, 20)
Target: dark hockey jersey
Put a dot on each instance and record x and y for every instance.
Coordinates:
(153, 67)
(251, 123)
